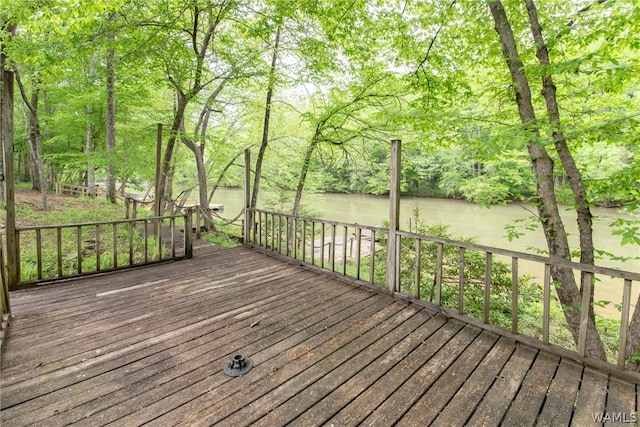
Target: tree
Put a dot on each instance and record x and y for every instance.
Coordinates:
(348, 115)
(543, 167)
(267, 120)
(195, 59)
(34, 137)
(110, 118)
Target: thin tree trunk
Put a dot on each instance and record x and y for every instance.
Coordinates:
(224, 171)
(164, 182)
(91, 170)
(35, 147)
(265, 128)
(584, 216)
(303, 174)
(111, 123)
(547, 205)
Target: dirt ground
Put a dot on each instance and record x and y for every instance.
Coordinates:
(31, 200)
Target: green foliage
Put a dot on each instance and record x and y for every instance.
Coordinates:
(222, 239)
(92, 245)
(628, 230)
(530, 297)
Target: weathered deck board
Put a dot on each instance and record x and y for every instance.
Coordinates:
(148, 346)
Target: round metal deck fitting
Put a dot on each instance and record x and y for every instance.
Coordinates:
(239, 365)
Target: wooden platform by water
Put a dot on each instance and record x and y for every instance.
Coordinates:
(148, 346)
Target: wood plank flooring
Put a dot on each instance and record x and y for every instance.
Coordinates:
(148, 346)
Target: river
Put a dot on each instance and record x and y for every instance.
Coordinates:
(465, 219)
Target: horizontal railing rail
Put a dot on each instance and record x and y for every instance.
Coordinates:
(50, 252)
(504, 288)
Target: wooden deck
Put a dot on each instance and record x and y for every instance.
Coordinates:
(149, 346)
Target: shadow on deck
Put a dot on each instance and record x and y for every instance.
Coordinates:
(149, 346)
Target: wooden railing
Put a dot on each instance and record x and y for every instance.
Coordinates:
(76, 190)
(437, 271)
(63, 251)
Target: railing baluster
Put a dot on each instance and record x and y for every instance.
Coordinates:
(188, 237)
(416, 282)
(344, 250)
(146, 240)
(172, 225)
(322, 237)
(273, 233)
(332, 248)
(39, 252)
(257, 234)
(198, 220)
(587, 284)
(18, 272)
(461, 281)
(358, 244)
(158, 228)
(397, 263)
(514, 295)
(487, 287)
(624, 324)
(279, 234)
(439, 255)
(97, 247)
(59, 249)
(546, 303)
(372, 257)
(132, 225)
(313, 238)
(115, 245)
(288, 233)
(79, 242)
(303, 249)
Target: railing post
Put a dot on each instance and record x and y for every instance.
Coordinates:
(7, 138)
(247, 197)
(127, 207)
(157, 202)
(394, 211)
(198, 220)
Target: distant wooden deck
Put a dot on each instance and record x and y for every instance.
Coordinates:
(149, 346)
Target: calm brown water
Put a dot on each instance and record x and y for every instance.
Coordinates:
(465, 219)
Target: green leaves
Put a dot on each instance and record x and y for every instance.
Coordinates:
(627, 229)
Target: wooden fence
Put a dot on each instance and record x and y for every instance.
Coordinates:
(76, 190)
(63, 251)
(455, 275)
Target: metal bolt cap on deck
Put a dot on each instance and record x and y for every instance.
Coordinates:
(239, 365)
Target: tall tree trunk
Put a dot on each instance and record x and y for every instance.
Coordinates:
(35, 146)
(111, 122)
(164, 181)
(91, 170)
(265, 127)
(198, 154)
(583, 212)
(547, 205)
